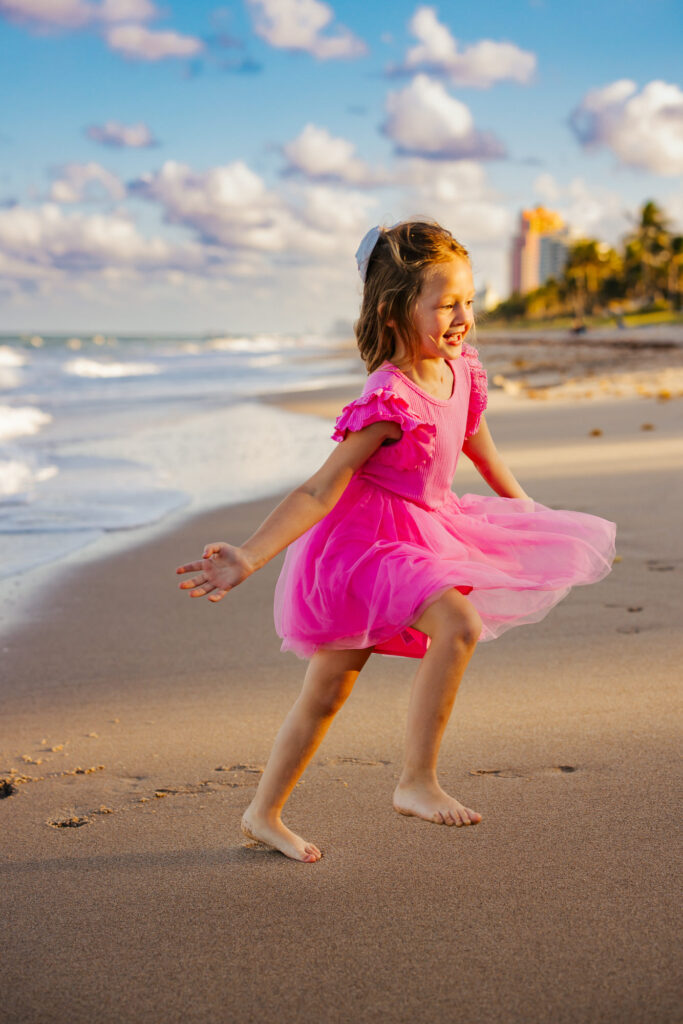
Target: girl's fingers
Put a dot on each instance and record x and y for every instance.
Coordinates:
(196, 582)
(190, 567)
(203, 589)
(217, 595)
(212, 549)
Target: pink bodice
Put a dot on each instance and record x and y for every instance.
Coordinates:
(420, 466)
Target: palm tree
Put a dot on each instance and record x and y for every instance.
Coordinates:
(675, 281)
(648, 254)
(589, 263)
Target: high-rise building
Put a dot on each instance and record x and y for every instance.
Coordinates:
(539, 250)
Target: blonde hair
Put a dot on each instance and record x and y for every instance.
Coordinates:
(396, 273)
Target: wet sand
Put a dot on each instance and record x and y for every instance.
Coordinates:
(135, 723)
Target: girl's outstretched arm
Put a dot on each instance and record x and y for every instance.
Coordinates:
(486, 457)
(223, 566)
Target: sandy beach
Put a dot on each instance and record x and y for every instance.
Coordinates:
(136, 722)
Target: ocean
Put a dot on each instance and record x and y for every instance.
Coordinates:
(101, 434)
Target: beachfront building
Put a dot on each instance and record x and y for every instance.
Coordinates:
(539, 249)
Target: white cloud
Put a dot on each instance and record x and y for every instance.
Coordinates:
(76, 13)
(120, 21)
(77, 183)
(299, 24)
(117, 135)
(142, 43)
(126, 10)
(48, 13)
(480, 65)
(587, 210)
(643, 130)
(319, 156)
(424, 120)
(38, 241)
(446, 179)
(339, 218)
(231, 207)
(457, 195)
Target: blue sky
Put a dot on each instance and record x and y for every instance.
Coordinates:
(194, 166)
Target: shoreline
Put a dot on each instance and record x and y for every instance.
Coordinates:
(528, 368)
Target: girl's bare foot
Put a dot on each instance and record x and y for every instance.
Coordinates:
(272, 833)
(429, 801)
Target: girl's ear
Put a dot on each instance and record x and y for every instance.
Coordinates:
(380, 309)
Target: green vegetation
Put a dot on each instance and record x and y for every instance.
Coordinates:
(640, 283)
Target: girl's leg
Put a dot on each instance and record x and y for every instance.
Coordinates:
(328, 682)
(454, 627)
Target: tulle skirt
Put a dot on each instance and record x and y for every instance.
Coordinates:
(361, 576)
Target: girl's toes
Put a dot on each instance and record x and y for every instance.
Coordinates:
(464, 817)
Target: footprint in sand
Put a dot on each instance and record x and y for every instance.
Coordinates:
(14, 778)
(73, 821)
(655, 565)
(78, 820)
(28, 759)
(240, 775)
(362, 761)
(521, 773)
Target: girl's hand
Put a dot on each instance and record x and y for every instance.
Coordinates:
(221, 569)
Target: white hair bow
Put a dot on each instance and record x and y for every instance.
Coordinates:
(367, 245)
(364, 251)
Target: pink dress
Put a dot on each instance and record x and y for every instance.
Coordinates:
(399, 538)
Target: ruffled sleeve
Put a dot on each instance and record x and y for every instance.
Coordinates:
(478, 389)
(415, 446)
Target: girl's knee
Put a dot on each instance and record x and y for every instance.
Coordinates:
(471, 629)
(456, 621)
(464, 631)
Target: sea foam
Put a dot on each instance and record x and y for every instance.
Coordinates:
(95, 369)
(19, 421)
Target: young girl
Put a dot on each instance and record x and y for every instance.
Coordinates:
(388, 559)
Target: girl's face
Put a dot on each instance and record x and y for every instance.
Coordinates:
(443, 313)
